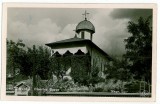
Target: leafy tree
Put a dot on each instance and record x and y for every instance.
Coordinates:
(38, 61)
(139, 48)
(57, 68)
(27, 60)
(44, 62)
(80, 69)
(60, 64)
(95, 78)
(15, 53)
(118, 70)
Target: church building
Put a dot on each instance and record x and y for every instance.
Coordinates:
(84, 52)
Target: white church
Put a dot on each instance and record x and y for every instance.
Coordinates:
(81, 45)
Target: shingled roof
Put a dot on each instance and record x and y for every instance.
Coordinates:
(66, 41)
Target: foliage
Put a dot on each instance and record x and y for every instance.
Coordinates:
(68, 85)
(27, 60)
(118, 70)
(112, 85)
(98, 90)
(15, 53)
(38, 59)
(134, 86)
(95, 78)
(59, 66)
(80, 69)
(139, 48)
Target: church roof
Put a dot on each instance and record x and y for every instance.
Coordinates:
(71, 42)
(67, 40)
(75, 42)
(85, 25)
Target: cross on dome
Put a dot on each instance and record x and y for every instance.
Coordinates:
(85, 25)
(85, 14)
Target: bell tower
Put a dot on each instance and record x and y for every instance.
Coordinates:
(85, 29)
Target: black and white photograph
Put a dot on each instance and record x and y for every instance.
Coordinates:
(79, 52)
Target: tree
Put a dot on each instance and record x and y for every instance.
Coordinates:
(44, 62)
(31, 62)
(139, 48)
(118, 70)
(94, 77)
(15, 53)
(38, 61)
(25, 59)
(80, 69)
(57, 68)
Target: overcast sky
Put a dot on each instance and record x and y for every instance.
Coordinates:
(41, 26)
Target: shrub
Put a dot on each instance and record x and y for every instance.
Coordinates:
(98, 90)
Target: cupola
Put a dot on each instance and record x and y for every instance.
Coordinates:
(85, 28)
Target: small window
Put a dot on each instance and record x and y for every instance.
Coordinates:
(82, 34)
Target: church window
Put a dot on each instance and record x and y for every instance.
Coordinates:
(82, 33)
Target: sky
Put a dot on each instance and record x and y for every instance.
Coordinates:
(45, 25)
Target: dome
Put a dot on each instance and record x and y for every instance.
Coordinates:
(85, 25)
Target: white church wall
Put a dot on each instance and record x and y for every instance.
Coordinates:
(87, 35)
(98, 59)
(72, 50)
